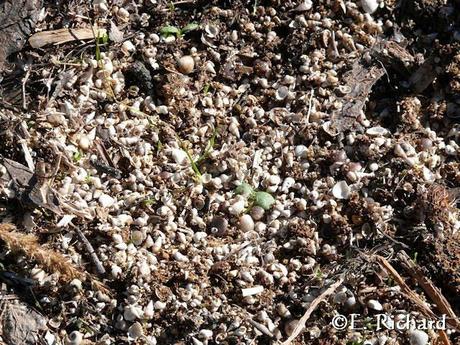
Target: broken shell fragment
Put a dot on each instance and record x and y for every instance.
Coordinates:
(341, 190)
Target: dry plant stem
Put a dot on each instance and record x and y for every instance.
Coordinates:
(49, 259)
(410, 294)
(24, 82)
(430, 289)
(99, 267)
(301, 324)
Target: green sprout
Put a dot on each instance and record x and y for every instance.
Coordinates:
(77, 156)
(148, 201)
(206, 89)
(256, 197)
(100, 39)
(194, 163)
(318, 273)
(170, 30)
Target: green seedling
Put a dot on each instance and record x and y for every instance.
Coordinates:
(244, 189)
(77, 156)
(257, 198)
(194, 163)
(318, 273)
(206, 89)
(170, 30)
(100, 39)
(148, 201)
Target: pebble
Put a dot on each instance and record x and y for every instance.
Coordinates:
(218, 226)
(246, 223)
(132, 313)
(350, 302)
(301, 151)
(84, 143)
(369, 6)
(186, 64)
(418, 337)
(237, 207)
(75, 338)
(375, 305)
(257, 213)
(106, 201)
(179, 156)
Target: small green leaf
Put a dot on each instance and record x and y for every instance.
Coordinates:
(244, 189)
(169, 30)
(190, 27)
(105, 38)
(264, 200)
(149, 201)
(77, 156)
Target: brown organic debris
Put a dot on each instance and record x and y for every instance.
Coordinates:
(60, 36)
(51, 260)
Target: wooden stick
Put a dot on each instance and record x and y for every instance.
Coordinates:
(431, 290)
(301, 324)
(99, 266)
(41, 39)
(411, 294)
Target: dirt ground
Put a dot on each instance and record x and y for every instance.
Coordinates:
(229, 172)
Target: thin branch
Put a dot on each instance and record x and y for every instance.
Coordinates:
(301, 324)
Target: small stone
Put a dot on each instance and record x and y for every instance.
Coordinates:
(417, 337)
(84, 143)
(290, 326)
(75, 338)
(369, 6)
(237, 207)
(246, 223)
(257, 212)
(132, 313)
(128, 47)
(186, 64)
(301, 151)
(350, 302)
(375, 305)
(218, 226)
(179, 156)
(304, 6)
(106, 201)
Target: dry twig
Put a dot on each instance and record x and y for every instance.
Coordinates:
(301, 324)
(99, 266)
(410, 294)
(431, 290)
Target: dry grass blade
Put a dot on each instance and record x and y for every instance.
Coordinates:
(410, 294)
(301, 324)
(49, 259)
(431, 290)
